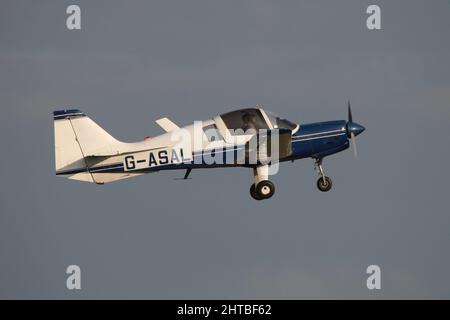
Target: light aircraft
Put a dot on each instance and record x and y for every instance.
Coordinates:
(86, 152)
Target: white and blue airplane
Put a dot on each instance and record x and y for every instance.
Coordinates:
(86, 152)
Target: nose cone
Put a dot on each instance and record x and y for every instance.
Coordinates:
(355, 128)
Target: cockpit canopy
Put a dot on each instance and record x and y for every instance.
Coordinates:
(255, 118)
(245, 119)
(278, 122)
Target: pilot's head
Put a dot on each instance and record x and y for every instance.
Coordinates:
(249, 118)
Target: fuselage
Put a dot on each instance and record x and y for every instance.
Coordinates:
(215, 142)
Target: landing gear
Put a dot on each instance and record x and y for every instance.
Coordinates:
(262, 188)
(253, 193)
(324, 183)
(324, 186)
(265, 189)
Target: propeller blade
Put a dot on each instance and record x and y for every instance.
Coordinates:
(355, 151)
(350, 118)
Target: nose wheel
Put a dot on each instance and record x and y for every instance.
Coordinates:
(324, 183)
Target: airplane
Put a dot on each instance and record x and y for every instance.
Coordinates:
(86, 152)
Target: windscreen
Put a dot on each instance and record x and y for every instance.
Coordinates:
(278, 122)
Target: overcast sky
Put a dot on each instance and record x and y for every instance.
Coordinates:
(155, 237)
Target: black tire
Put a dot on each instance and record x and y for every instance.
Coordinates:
(253, 193)
(324, 187)
(265, 189)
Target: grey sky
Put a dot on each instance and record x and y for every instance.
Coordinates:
(155, 237)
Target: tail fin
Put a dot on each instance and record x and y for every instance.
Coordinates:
(76, 138)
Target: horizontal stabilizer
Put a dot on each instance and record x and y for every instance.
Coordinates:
(167, 124)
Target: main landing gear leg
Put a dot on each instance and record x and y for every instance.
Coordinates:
(262, 188)
(324, 183)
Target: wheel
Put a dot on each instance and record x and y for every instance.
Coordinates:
(265, 189)
(324, 186)
(253, 193)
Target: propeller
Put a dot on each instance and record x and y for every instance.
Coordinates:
(350, 118)
(355, 151)
(352, 134)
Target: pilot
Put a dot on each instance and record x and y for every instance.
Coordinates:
(249, 121)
